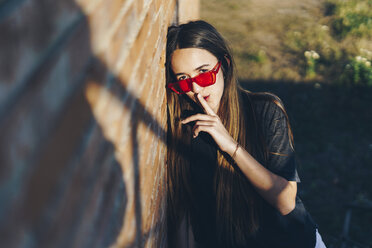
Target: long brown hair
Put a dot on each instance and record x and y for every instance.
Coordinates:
(237, 203)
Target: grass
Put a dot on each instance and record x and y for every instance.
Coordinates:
(269, 38)
(328, 100)
(350, 17)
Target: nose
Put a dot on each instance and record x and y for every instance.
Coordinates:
(196, 88)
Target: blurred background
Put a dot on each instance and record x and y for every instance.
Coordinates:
(316, 56)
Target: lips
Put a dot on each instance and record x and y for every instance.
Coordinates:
(206, 97)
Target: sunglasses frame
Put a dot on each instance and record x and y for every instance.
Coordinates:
(189, 81)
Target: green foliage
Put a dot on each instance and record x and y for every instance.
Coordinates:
(255, 56)
(316, 39)
(313, 38)
(352, 17)
(358, 72)
(311, 59)
(340, 59)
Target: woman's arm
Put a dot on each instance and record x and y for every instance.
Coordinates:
(275, 189)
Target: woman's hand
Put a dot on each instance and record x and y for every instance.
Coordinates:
(211, 123)
(273, 188)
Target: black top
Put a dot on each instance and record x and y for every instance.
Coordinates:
(294, 230)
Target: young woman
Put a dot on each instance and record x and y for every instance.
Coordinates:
(230, 165)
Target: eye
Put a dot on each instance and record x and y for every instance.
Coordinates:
(203, 70)
(182, 78)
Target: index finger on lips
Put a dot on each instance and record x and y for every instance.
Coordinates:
(205, 105)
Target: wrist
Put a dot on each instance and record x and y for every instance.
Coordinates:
(232, 148)
(233, 156)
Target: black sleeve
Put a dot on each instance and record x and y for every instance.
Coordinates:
(281, 160)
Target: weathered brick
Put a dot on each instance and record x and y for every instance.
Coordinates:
(140, 4)
(188, 10)
(83, 141)
(101, 21)
(25, 36)
(37, 110)
(121, 38)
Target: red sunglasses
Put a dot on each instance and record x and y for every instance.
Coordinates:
(203, 79)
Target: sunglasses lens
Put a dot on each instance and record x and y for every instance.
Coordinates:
(184, 85)
(205, 79)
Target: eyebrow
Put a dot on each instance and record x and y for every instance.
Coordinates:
(196, 69)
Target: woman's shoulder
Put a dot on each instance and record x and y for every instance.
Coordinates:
(265, 104)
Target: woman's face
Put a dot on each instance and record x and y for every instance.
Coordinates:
(189, 62)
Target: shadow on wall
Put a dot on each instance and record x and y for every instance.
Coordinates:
(61, 184)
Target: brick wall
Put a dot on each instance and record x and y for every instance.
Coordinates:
(83, 121)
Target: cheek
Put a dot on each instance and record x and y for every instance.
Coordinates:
(220, 84)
